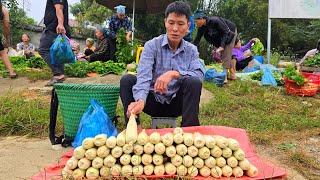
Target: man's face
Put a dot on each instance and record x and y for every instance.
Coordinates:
(121, 15)
(199, 22)
(177, 27)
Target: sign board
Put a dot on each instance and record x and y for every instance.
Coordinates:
(306, 9)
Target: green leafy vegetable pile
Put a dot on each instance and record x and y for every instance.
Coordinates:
(217, 67)
(291, 73)
(313, 61)
(81, 69)
(257, 48)
(21, 64)
(276, 74)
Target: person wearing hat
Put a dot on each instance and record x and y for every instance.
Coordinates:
(118, 21)
(169, 75)
(219, 32)
(188, 37)
(102, 51)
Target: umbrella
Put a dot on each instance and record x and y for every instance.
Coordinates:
(140, 6)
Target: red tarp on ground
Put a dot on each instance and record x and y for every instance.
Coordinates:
(266, 169)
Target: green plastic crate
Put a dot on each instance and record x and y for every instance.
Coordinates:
(74, 99)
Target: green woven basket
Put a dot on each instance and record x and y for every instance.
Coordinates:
(74, 99)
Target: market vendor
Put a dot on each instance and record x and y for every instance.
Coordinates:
(241, 55)
(118, 21)
(102, 51)
(219, 32)
(311, 53)
(170, 74)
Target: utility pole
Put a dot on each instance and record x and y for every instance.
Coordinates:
(25, 5)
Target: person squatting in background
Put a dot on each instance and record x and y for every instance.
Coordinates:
(241, 55)
(25, 48)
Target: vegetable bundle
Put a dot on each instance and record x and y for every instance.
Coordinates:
(291, 73)
(257, 48)
(178, 154)
(81, 69)
(313, 61)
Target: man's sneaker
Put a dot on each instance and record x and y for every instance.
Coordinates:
(54, 80)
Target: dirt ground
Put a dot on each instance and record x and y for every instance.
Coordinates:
(22, 157)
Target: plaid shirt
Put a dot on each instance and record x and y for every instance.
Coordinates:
(21, 46)
(158, 58)
(115, 24)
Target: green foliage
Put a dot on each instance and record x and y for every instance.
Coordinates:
(276, 74)
(313, 61)
(251, 17)
(217, 67)
(148, 26)
(81, 69)
(287, 146)
(90, 11)
(39, 74)
(275, 57)
(22, 64)
(25, 114)
(34, 68)
(124, 49)
(291, 73)
(258, 109)
(36, 62)
(86, 12)
(78, 69)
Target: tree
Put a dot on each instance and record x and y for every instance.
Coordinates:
(88, 11)
(149, 26)
(251, 18)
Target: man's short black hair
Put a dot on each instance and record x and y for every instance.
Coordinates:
(178, 7)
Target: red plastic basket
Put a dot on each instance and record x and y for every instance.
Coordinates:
(307, 89)
(313, 78)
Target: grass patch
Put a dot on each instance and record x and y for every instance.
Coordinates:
(308, 166)
(270, 117)
(25, 113)
(36, 74)
(259, 109)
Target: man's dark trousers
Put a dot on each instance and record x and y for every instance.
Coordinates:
(46, 40)
(186, 102)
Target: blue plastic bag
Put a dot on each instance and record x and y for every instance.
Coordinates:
(267, 77)
(93, 122)
(61, 51)
(256, 66)
(218, 78)
(260, 59)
